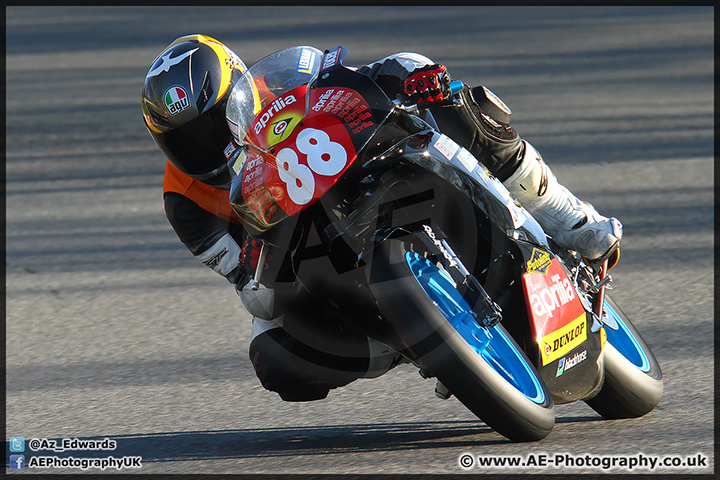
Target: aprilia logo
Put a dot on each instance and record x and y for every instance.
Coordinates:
(229, 150)
(549, 299)
(275, 107)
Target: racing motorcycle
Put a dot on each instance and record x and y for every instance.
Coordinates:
(401, 233)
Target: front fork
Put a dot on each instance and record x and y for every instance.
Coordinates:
(599, 299)
(260, 266)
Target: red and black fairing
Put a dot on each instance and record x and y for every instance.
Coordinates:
(395, 175)
(311, 137)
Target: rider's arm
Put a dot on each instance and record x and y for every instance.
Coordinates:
(481, 125)
(213, 240)
(389, 72)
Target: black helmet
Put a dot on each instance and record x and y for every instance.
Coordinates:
(183, 103)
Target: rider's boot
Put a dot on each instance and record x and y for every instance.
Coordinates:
(571, 223)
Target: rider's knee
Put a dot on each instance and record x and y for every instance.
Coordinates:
(298, 372)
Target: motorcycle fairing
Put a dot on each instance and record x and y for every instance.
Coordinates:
(301, 143)
(558, 318)
(570, 361)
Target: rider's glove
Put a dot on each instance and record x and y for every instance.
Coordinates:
(250, 254)
(426, 84)
(260, 302)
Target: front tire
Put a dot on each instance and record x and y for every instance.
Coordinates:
(633, 379)
(484, 368)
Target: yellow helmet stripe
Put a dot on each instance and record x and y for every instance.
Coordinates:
(231, 63)
(220, 50)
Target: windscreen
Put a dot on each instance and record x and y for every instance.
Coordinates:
(264, 84)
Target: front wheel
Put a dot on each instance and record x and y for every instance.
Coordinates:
(483, 367)
(633, 379)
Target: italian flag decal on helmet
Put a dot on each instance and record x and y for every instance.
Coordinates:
(176, 100)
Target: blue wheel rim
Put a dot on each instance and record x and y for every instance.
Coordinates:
(625, 342)
(490, 343)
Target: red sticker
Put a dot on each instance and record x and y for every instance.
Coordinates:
(551, 299)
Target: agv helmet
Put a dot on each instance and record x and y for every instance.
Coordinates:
(183, 104)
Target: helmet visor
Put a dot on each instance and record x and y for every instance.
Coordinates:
(196, 147)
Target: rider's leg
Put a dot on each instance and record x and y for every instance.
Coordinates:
(483, 126)
(570, 222)
(305, 363)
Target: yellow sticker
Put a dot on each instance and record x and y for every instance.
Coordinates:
(603, 337)
(539, 262)
(239, 161)
(556, 344)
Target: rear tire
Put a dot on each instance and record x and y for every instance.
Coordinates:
(633, 379)
(448, 345)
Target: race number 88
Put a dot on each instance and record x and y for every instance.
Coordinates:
(324, 157)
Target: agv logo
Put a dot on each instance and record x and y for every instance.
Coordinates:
(176, 100)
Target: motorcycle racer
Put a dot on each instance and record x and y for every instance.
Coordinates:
(184, 98)
(183, 102)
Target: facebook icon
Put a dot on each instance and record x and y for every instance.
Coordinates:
(17, 462)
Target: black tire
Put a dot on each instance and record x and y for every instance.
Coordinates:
(443, 353)
(628, 392)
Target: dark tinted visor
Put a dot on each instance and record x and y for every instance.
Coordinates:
(196, 147)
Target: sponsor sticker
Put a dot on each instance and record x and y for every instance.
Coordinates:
(239, 161)
(176, 100)
(566, 363)
(306, 62)
(467, 159)
(331, 58)
(441, 246)
(558, 343)
(539, 262)
(446, 146)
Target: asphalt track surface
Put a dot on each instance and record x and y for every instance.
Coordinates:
(115, 331)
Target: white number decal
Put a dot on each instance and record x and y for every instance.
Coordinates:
(298, 178)
(324, 157)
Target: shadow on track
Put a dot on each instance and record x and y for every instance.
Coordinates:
(306, 440)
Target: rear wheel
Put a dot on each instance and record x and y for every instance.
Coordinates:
(633, 379)
(483, 367)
